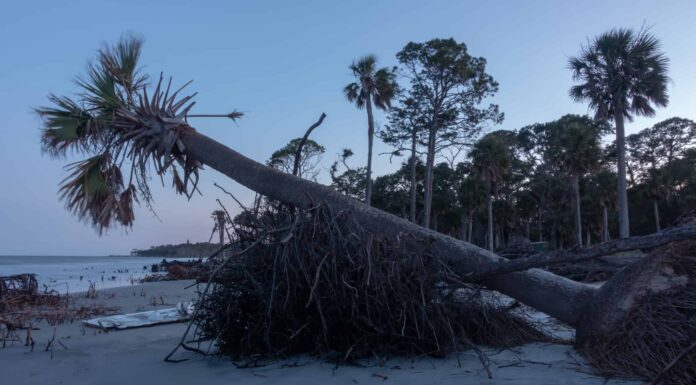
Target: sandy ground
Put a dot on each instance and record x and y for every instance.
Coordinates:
(135, 357)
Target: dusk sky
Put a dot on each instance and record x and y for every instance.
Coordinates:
(282, 63)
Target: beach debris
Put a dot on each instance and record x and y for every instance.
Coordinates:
(182, 312)
(655, 337)
(319, 284)
(178, 270)
(21, 304)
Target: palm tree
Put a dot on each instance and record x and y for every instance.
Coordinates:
(657, 189)
(373, 86)
(489, 158)
(621, 74)
(126, 130)
(220, 218)
(575, 147)
(601, 188)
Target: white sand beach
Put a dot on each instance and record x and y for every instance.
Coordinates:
(135, 356)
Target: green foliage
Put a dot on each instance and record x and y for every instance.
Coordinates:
(621, 71)
(490, 158)
(377, 85)
(350, 181)
(284, 158)
(448, 84)
(195, 250)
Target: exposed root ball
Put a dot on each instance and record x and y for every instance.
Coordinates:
(653, 335)
(332, 289)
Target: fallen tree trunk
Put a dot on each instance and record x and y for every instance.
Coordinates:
(647, 242)
(557, 296)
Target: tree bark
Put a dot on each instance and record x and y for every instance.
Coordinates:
(463, 221)
(489, 211)
(656, 212)
(471, 226)
(429, 164)
(621, 170)
(605, 224)
(221, 230)
(554, 295)
(541, 237)
(645, 242)
(576, 205)
(370, 139)
(414, 141)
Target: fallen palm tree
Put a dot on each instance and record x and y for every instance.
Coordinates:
(119, 125)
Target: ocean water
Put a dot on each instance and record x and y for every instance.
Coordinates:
(70, 274)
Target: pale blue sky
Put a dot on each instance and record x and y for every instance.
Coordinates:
(282, 63)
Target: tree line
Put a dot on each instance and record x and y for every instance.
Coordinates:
(553, 182)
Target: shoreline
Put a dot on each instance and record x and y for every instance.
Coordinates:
(136, 356)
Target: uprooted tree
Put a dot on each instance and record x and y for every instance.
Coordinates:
(119, 124)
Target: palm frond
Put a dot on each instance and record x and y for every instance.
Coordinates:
(66, 126)
(621, 70)
(122, 129)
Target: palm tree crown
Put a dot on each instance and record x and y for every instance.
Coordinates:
(489, 159)
(123, 131)
(379, 84)
(621, 71)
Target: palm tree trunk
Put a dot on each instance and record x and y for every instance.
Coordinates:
(489, 209)
(429, 164)
(413, 175)
(527, 228)
(463, 221)
(621, 170)
(557, 296)
(471, 226)
(541, 237)
(576, 199)
(656, 212)
(605, 224)
(370, 138)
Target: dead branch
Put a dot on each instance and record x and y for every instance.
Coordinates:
(298, 152)
(646, 242)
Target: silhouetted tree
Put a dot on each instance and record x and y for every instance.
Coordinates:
(621, 74)
(372, 86)
(450, 85)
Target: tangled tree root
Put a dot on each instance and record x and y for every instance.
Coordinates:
(655, 337)
(326, 287)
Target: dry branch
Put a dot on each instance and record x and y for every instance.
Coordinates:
(646, 242)
(298, 152)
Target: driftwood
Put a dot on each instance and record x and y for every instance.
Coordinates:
(646, 242)
(21, 304)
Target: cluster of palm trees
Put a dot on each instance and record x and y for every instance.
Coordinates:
(127, 131)
(620, 74)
